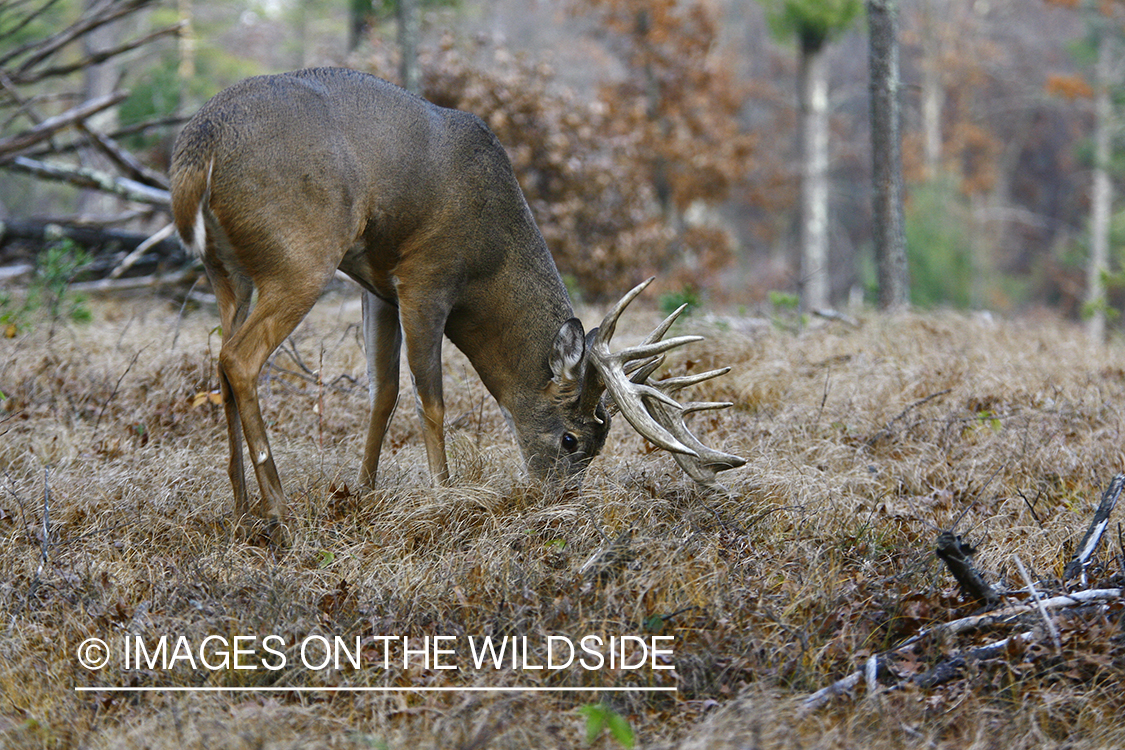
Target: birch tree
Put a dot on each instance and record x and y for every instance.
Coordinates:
(814, 23)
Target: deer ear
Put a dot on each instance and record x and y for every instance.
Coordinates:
(567, 352)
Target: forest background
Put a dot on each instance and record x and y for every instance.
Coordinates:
(663, 135)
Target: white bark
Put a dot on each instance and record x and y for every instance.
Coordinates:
(1101, 198)
(815, 274)
(933, 94)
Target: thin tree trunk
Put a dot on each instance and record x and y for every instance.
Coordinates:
(886, 151)
(98, 81)
(933, 95)
(359, 15)
(813, 92)
(408, 33)
(1102, 195)
(186, 41)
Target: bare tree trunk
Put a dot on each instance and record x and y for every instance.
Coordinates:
(359, 15)
(97, 81)
(886, 154)
(812, 87)
(1102, 195)
(186, 41)
(408, 33)
(933, 95)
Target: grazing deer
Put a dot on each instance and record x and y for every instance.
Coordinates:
(280, 180)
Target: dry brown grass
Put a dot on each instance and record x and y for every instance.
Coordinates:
(862, 444)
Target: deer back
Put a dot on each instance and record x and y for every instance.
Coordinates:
(283, 179)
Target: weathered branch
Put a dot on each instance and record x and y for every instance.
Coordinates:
(95, 58)
(39, 231)
(116, 135)
(131, 259)
(94, 180)
(1097, 529)
(136, 282)
(123, 159)
(22, 24)
(952, 667)
(43, 49)
(957, 556)
(1077, 599)
(47, 128)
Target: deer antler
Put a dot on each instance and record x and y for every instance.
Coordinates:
(648, 406)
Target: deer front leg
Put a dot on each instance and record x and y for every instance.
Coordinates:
(382, 340)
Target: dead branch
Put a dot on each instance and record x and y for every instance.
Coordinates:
(131, 259)
(954, 666)
(94, 180)
(1098, 526)
(1047, 621)
(958, 557)
(53, 59)
(44, 130)
(44, 49)
(96, 58)
(21, 24)
(117, 135)
(40, 231)
(136, 282)
(128, 163)
(1008, 614)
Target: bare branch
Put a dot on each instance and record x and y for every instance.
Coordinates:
(23, 24)
(1077, 599)
(1097, 529)
(122, 158)
(130, 260)
(109, 11)
(93, 179)
(94, 59)
(50, 126)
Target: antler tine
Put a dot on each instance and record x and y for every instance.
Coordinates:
(609, 322)
(639, 371)
(660, 330)
(647, 405)
(628, 397)
(671, 385)
(641, 351)
(707, 462)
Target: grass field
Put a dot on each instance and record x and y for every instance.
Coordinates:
(863, 443)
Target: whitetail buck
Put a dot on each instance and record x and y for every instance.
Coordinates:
(281, 180)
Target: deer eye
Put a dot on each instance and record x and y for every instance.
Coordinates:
(569, 442)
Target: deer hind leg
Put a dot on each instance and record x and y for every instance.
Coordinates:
(422, 328)
(382, 339)
(233, 294)
(283, 301)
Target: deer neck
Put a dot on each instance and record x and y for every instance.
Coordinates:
(509, 345)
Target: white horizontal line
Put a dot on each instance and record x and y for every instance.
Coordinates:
(441, 689)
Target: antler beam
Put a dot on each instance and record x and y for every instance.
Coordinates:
(648, 405)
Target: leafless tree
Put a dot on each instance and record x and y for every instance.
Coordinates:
(886, 150)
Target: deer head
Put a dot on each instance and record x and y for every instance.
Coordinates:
(590, 381)
(279, 181)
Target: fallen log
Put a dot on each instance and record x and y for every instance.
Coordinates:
(92, 238)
